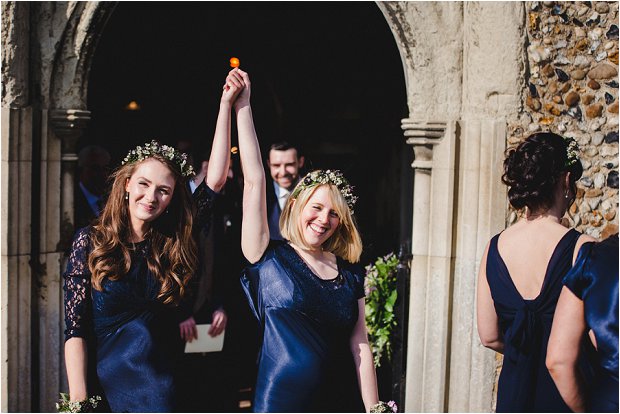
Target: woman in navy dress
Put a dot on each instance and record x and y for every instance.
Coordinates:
(128, 273)
(522, 269)
(588, 302)
(305, 291)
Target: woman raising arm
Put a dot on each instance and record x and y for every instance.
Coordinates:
(128, 272)
(305, 291)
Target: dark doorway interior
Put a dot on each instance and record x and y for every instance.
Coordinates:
(325, 75)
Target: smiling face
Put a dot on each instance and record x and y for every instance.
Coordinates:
(284, 167)
(150, 189)
(318, 219)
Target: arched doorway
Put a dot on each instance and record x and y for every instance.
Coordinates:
(460, 112)
(327, 76)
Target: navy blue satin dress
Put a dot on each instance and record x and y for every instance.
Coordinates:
(594, 279)
(524, 383)
(136, 337)
(305, 363)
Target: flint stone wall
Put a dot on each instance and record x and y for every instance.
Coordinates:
(572, 89)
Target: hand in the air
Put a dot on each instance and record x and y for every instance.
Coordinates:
(233, 86)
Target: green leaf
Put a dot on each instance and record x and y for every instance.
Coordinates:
(381, 283)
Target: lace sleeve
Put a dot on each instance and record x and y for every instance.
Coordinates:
(203, 199)
(78, 312)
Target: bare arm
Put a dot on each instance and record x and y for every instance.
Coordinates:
(488, 327)
(563, 349)
(254, 228)
(362, 356)
(219, 161)
(584, 238)
(76, 363)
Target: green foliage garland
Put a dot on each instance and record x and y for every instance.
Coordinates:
(381, 296)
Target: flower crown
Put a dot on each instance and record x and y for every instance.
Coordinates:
(572, 151)
(334, 177)
(155, 148)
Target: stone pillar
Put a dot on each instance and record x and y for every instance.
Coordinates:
(429, 307)
(58, 168)
(480, 207)
(68, 125)
(16, 272)
(15, 209)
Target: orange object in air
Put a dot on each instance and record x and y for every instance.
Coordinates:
(234, 62)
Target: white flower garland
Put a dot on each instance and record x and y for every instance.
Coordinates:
(155, 148)
(334, 177)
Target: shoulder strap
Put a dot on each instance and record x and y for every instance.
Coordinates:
(559, 264)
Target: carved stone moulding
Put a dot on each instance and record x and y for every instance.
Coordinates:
(423, 135)
(68, 125)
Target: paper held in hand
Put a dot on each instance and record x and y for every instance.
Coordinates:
(205, 342)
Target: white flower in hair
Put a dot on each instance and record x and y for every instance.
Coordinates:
(155, 148)
(328, 177)
(572, 151)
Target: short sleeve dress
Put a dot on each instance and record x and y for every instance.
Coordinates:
(525, 384)
(594, 279)
(136, 337)
(305, 362)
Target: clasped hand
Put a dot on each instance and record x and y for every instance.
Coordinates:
(236, 89)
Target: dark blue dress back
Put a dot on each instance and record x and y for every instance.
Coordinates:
(524, 383)
(594, 279)
(305, 362)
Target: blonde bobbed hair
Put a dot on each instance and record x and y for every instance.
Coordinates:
(346, 241)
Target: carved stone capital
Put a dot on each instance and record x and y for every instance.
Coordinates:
(68, 125)
(423, 135)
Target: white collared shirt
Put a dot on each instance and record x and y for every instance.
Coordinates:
(193, 186)
(282, 195)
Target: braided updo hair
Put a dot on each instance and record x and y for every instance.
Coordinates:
(533, 169)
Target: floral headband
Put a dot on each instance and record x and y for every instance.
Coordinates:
(334, 177)
(155, 148)
(572, 151)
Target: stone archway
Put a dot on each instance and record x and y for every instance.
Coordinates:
(456, 126)
(458, 114)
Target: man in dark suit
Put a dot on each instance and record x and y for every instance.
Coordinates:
(93, 171)
(211, 301)
(284, 161)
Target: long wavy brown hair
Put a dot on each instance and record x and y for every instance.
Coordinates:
(173, 255)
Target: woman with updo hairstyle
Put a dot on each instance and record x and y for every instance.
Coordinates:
(532, 170)
(521, 271)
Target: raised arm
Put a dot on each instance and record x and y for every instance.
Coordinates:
(254, 228)
(219, 161)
